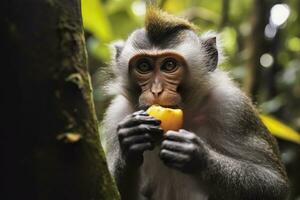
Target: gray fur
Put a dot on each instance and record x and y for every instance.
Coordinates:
(242, 151)
(242, 157)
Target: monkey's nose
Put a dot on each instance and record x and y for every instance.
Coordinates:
(156, 89)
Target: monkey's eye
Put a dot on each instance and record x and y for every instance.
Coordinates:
(143, 66)
(170, 65)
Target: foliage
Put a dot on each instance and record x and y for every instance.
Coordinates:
(115, 19)
(278, 94)
(280, 130)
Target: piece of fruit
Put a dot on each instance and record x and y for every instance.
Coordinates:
(171, 119)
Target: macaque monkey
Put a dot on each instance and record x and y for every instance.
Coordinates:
(223, 150)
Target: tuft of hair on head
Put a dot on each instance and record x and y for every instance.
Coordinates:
(159, 24)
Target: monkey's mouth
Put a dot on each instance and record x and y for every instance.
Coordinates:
(171, 106)
(145, 107)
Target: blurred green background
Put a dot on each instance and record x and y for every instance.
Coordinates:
(261, 42)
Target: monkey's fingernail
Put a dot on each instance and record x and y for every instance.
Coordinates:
(157, 122)
(144, 114)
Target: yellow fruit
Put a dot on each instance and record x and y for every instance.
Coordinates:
(171, 119)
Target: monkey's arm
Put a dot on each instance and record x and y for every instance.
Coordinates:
(127, 136)
(248, 174)
(234, 165)
(245, 163)
(233, 178)
(126, 177)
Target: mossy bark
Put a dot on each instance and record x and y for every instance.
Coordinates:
(50, 142)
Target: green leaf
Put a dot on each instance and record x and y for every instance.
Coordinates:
(230, 37)
(280, 130)
(95, 20)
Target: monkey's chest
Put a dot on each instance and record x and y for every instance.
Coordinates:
(162, 183)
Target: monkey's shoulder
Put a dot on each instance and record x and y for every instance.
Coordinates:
(231, 107)
(118, 109)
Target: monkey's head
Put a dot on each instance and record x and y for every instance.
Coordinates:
(165, 61)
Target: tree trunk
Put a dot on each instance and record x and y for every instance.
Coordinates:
(257, 45)
(225, 14)
(50, 143)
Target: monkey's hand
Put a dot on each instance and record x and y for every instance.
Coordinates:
(137, 133)
(183, 150)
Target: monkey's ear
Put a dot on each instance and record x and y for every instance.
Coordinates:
(210, 46)
(117, 47)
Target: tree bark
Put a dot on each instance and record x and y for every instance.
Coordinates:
(225, 14)
(257, 45)
(50, 143)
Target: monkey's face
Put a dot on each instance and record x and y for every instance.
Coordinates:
(164, 72)
(158, 76)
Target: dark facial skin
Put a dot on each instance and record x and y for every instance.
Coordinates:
(158, 76)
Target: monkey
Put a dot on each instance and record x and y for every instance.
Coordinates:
(223, 150)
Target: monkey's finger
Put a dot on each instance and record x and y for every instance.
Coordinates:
(136, 120)
(140, 129)
(140, 148)
(181, 136)
(171, 156)
(141, 119)
(136, 139)
(156, 131)
(182, 147)
(140, 112)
